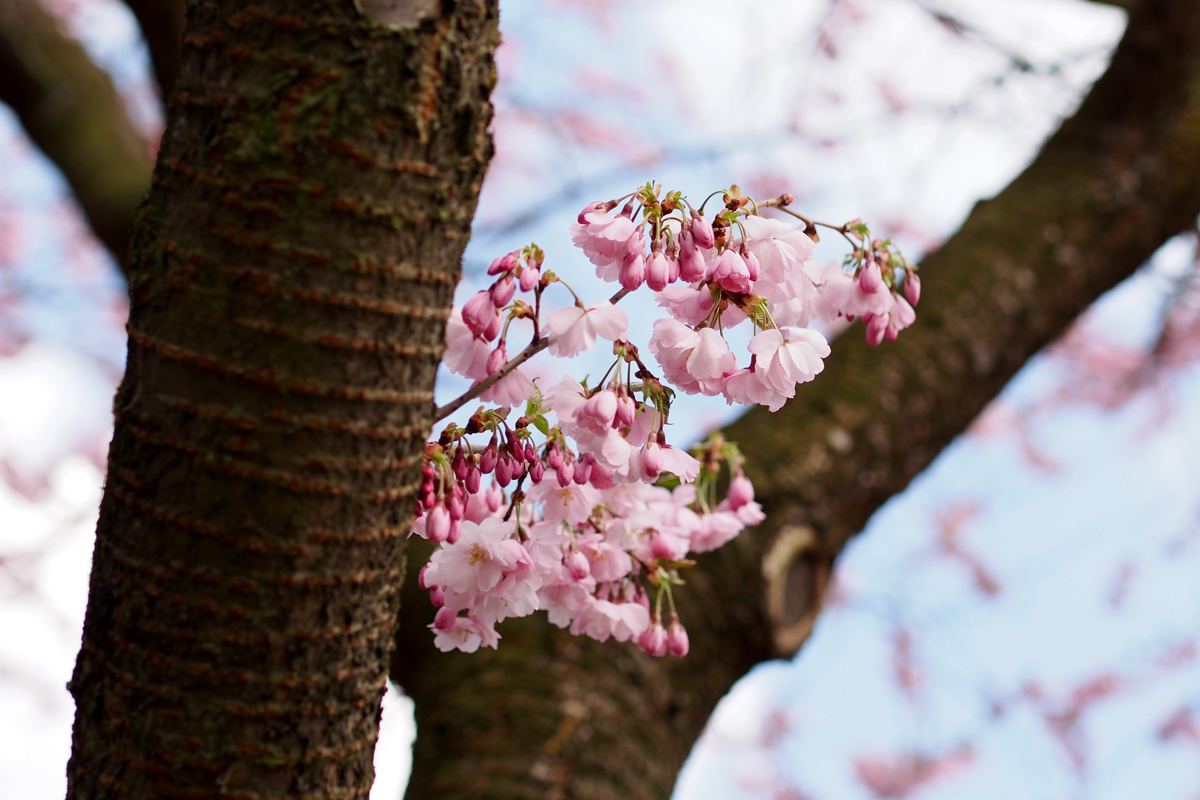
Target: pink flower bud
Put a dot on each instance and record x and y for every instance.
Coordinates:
(691, 262)
(529, 277)
(677, 640)
(494, 498)
(536, 472)
(479, 312)
(653, 640)
(459, 465)
(437, 528)
(487, 460)
(602, 477)
(752, 265)
(554, 460)
(503, 472)
(502, 291)
(503, 264)
(565, 473)
(658, 272)
(912, 287)
(497, 359)
(427, 472)
(456, 509)
(583, 471)
(672, 269)
(633, 272)
(437, 596)
(702, 229)
(444, 619)
(626, 411)
(578, 566)
(741, 491)
(661, 547)
(869, 278)
(493, 328)
(602, 407)
(531, 454)
(652, 460)
(473, 479)
(455, 531)
(876, 328)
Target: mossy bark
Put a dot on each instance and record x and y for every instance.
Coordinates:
(293, 267)
(550, 716)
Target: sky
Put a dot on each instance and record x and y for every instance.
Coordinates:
(1021, 623)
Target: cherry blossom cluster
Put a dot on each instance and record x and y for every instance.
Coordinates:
(588, 512)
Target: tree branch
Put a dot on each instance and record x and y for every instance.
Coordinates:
(553, 714)
(70, 110)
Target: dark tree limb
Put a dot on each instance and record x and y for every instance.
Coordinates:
(550, 715)
(70, 110)
(161, 22)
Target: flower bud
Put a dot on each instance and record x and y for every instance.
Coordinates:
(497, 359)
(653, 640)
(444, 619)
(473, 479)
(455, 531)
(702, 229)
(633, 272)
(602, 477)
(529, 277)
(455, 508)
(531, 454)
(626, 411)
(503, 472)
(503, 264)
(554, 460)
(912, 287)
(677, 640)
(437, 596)
(869, 278)
(493, 328)
(437, 528)
(494, 498)
(657, 272)
(479, 313)
(487, 461)
(652, 460)
(565, 473)
(731, 272)
(741, 491)
(583, 470)
(459, 465)
(578, 566)
(502, 291)
(672, 269)
(536, 472)
(876, 328)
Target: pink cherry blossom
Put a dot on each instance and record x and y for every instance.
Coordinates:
(481, 316)
(466, 354)
(780, 247)
(730, 271)
(688, 304)
(573, 329)
(789, 356)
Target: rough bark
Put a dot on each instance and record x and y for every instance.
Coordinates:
(293, 267)
(549, 715)
(70, 110)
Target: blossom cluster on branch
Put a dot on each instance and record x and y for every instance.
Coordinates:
(589, 513)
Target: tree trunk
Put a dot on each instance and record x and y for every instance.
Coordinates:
(292, 269)
(552, 716)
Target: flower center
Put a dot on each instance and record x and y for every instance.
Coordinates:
(476, 554)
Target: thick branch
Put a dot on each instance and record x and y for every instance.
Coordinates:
(161, 22)
(70, 110)
(550, 715)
